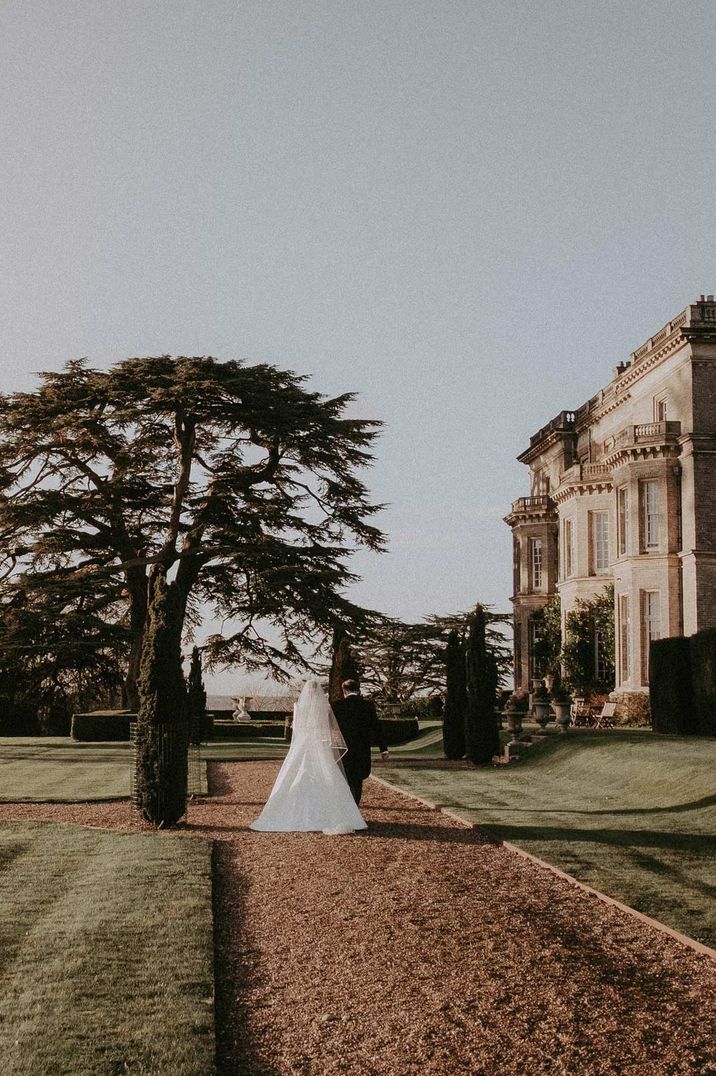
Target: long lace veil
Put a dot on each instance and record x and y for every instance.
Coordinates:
(314, 723)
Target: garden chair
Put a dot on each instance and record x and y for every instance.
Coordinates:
(605, 718)
(579, 711)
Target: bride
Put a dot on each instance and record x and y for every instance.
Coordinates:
(311, 792)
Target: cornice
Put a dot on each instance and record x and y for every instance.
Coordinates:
(582, 489)
(634, 453)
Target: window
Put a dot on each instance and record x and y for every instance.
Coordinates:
(623, 519)
(599, 527)
(536, 563)
(624, 633)
(661, 408)
(568, 548)
(650, 626)
(649, 495)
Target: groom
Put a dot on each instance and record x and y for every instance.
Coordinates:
(359, 724)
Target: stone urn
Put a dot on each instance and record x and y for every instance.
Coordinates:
(561, 707)
(515, 713)
(540, 706)
(514, 723)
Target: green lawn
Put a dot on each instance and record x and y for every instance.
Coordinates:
(60, 770)
(630, 813)
(107, 953)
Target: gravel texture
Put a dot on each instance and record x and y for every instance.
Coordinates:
(420, 947)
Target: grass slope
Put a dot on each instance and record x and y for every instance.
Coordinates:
(107, 953)
(627, 812)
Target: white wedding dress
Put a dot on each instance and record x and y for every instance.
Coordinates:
(311, 793)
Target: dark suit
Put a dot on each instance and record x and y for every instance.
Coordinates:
(359, 724)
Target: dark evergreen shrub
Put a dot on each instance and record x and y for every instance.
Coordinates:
(199, 724)
(162, 741)
(344, 665)
(587, 623)
(702, 649)
(18, 718)
(670, 691)
(482, 737)
(394, 730)
(54, 718)
(455, 698)
(102, 725)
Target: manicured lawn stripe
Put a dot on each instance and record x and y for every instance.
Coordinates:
(632, 814)
(60, 770)
(106, 951)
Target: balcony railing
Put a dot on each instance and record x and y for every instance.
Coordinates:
(648, 433)
(564, 422)
(533, 504)
(586, 472)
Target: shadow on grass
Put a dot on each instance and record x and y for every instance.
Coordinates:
(675, 808)
(699, 843)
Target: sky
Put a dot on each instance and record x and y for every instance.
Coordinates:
(468, 213)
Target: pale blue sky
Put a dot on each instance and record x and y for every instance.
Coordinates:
(467, 212)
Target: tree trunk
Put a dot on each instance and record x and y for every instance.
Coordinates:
(162, 725)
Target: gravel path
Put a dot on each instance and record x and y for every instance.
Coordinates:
(418, 947)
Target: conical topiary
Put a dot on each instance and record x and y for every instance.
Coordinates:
(455, 698)
(344, 665)
(162, 727)
(196, 700)
(482, 737)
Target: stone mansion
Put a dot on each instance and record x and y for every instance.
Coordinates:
(623, 490)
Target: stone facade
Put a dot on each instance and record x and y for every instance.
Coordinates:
(623, 490)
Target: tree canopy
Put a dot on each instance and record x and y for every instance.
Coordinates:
(401, 660)
(236, 479)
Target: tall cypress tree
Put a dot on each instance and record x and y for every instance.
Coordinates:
(455, 698)
(162, 727)
(196, 700)
(482, 738)
(344, 665)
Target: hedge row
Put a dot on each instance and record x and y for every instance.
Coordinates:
(398, 729)
(114, 725)
(682, 684)
(244, 730)
(102, 725)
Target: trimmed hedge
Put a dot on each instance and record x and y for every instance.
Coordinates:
(245, 730)
(682, 684)
(397, 730)
(672, 709)
(702, 647)
(393, 730)
(102, 725)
